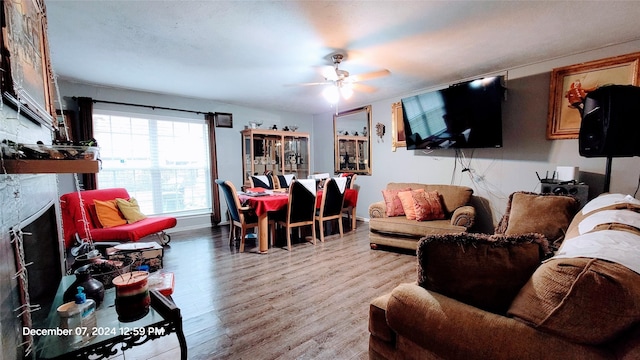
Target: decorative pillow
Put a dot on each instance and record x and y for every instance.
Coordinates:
(392, 202)
(93, 215)
(486, 271)
(130, 209)
(427, 205)
(585, 300)
(408, 205)
(547, 214)
(108, 213)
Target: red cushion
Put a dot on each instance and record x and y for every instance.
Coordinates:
(135, 231)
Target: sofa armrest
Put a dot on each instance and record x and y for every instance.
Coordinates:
(453, 330)
(377, 210)
(463, 216)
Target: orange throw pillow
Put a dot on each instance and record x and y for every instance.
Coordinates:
(108, 213)
(408, 205)
(427, 205)
(392, 202)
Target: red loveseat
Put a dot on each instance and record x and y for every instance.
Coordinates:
(73, 223)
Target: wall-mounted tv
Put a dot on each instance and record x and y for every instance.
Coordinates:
(464, 115)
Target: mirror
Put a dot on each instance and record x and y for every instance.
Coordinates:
(352, 141)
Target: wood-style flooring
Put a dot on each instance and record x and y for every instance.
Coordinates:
(310, 303)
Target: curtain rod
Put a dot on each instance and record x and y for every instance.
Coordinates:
(148, 106)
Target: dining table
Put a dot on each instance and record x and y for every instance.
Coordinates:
(264, 203)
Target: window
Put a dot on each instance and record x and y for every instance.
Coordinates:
(162, 162)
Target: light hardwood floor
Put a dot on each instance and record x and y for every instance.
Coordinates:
(310, 303)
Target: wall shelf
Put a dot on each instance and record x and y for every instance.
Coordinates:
(50, 166)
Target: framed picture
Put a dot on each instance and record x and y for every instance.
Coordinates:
(398, 137)
(224, 120)
(571, 84)
(25, 61)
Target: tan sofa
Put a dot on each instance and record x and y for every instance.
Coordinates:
(398, 231)
(568, 308)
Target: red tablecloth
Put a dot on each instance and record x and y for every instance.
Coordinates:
(350, 197)
(263, 204)
(275, 202)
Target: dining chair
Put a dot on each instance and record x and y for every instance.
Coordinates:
(331, 204)
(284, 181)
(263, 181)
(301, 209)
(240, 217)
(350, 208)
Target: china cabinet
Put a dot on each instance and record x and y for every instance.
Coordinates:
(353, 153)
(281, 152)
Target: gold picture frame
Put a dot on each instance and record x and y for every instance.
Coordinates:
(398, 137)
(25, 60)
(570, 85)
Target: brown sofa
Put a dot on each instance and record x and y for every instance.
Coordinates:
(400, 232)
(463, 305)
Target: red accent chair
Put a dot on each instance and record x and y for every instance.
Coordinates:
(73, 224)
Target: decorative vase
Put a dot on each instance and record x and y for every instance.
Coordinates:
(93, 288)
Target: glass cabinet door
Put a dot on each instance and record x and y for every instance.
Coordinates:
(281, 152)
(353, 153)
(296, 156)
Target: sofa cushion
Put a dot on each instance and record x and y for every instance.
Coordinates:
(586, 300)
(130, 210)
(109, 214)
(486, 271)
(392, 201)
(406, 198)
(428, 205)
(402, 227)
(547, 214)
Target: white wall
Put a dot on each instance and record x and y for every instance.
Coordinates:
(228, 140)
(498, 172)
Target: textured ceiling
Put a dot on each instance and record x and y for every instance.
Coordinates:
(251, 53)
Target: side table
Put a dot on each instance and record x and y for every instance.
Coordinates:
(163, 319)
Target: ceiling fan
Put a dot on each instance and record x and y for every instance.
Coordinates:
(343, 83)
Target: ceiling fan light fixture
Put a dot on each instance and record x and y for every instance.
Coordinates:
(346, 90)
(331, 93)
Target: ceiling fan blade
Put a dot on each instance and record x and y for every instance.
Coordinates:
(370, 75)
(308, 84)
(363, 88)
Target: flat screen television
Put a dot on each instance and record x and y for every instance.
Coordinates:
(465, 115)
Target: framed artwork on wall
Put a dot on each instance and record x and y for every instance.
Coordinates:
(398, 138)
(224, 120)
(571, 84)
(25, 60)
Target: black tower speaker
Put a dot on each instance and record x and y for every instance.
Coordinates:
(611, 122)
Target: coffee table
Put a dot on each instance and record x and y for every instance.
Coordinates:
(109, 334)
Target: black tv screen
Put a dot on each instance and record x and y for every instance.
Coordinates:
(465, 115)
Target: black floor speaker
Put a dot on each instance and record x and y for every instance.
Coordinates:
(579, 191)
(611, 122)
